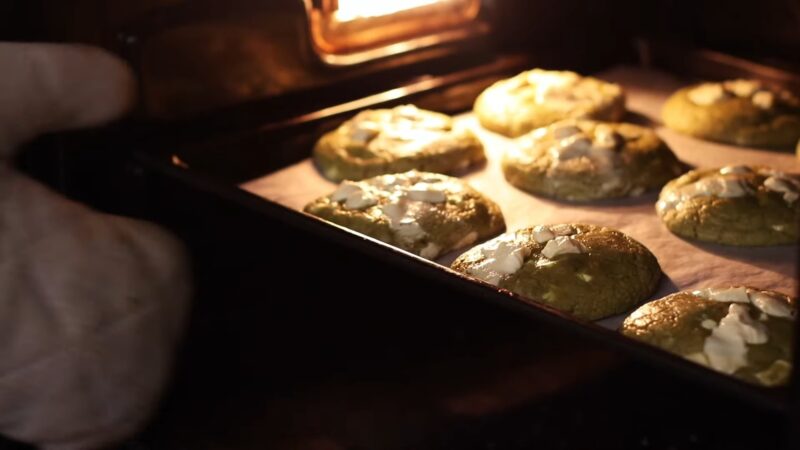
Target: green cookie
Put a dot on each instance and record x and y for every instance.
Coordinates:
(424, 213)
(587, 271)
(537, 98)
(739, 331)
(587, 160)
(736, 205)
(740, 112)
(381, 141)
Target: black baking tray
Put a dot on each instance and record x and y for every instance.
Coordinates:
(215, 166)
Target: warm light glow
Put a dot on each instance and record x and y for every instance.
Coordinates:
(347, 32)
(358, 9)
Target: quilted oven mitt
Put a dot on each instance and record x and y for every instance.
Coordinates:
(91, 305)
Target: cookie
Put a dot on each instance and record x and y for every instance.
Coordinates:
(424, 213)
(538, 98)
(735, 205)
(739, 331)
(382, 141)
(739, 112)
(586, 160)
(587, 271)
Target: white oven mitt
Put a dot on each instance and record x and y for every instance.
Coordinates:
(91, 305)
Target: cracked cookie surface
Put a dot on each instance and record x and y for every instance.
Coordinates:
(537, 98)
(739, 112)
(584, 160)
(735, 205)
(587, 271)
(382, 141)
(426, 214)
(740, 331)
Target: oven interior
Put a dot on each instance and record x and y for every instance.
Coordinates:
(235, 91)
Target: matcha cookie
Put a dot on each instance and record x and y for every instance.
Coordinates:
(381, 141)
(424, 213)
(537, 98)
(736, 205)
(739, 331)
(740, 112)
(587, 160)
(588, 271)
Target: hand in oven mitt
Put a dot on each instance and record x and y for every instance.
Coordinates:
(91, 305)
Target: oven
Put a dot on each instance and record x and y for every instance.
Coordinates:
(284, 352)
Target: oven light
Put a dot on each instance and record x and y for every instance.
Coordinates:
(347, 32)
(360, 9)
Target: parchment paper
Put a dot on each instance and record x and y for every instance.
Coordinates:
(686, 264)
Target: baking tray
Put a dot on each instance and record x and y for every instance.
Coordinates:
(686, 265)
(267, 170)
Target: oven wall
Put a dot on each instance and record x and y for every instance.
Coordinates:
(198, 56)
(766, 30)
